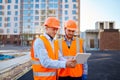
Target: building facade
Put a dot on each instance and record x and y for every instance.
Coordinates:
(69, 9)
(110, 39)
(22, 20)
(33, 15)
(91, 40)
(9, 22)
(104, 37)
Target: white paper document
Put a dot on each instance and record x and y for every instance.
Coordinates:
(81, 58)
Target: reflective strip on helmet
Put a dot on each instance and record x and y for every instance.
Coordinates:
(68, 57)
(44, 73)
(36, 62)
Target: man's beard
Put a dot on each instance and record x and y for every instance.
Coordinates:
(69, 36)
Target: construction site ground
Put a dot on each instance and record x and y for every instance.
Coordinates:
(102, 65)
(12, 69)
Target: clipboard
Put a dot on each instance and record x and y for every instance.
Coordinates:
(81, 58)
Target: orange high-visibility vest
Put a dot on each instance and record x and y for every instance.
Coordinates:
(39, 71)
(71, 52)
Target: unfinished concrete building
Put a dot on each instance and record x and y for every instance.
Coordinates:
(104, 37)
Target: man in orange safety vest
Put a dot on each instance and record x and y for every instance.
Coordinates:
(69, 47)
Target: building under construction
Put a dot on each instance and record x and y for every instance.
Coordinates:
(104, 37)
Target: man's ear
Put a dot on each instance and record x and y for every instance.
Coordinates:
(65, 28)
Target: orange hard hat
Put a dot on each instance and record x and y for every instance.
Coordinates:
(52, 22)
(70, 24)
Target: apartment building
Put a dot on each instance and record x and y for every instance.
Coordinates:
(69, 9)
(22, 20)
(33, 15)
(9, 21)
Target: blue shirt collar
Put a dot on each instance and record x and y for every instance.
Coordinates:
(67, 40)
(48, 37)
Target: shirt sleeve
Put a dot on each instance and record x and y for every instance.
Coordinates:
(85, 65)
(85, 70)
(42, 54)
(61, 58)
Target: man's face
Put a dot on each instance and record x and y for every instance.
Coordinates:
(69, 33)
(51, 31)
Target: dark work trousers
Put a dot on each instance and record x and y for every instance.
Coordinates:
(70, 78)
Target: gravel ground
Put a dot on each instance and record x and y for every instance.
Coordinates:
(103, 65)
(16, 72)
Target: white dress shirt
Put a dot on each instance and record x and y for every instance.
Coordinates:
(41, 53)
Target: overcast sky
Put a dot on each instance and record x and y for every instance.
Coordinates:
(99, 10)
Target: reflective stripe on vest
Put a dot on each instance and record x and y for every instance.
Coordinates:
(69, 57)
(35, 62)
(44, 73)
